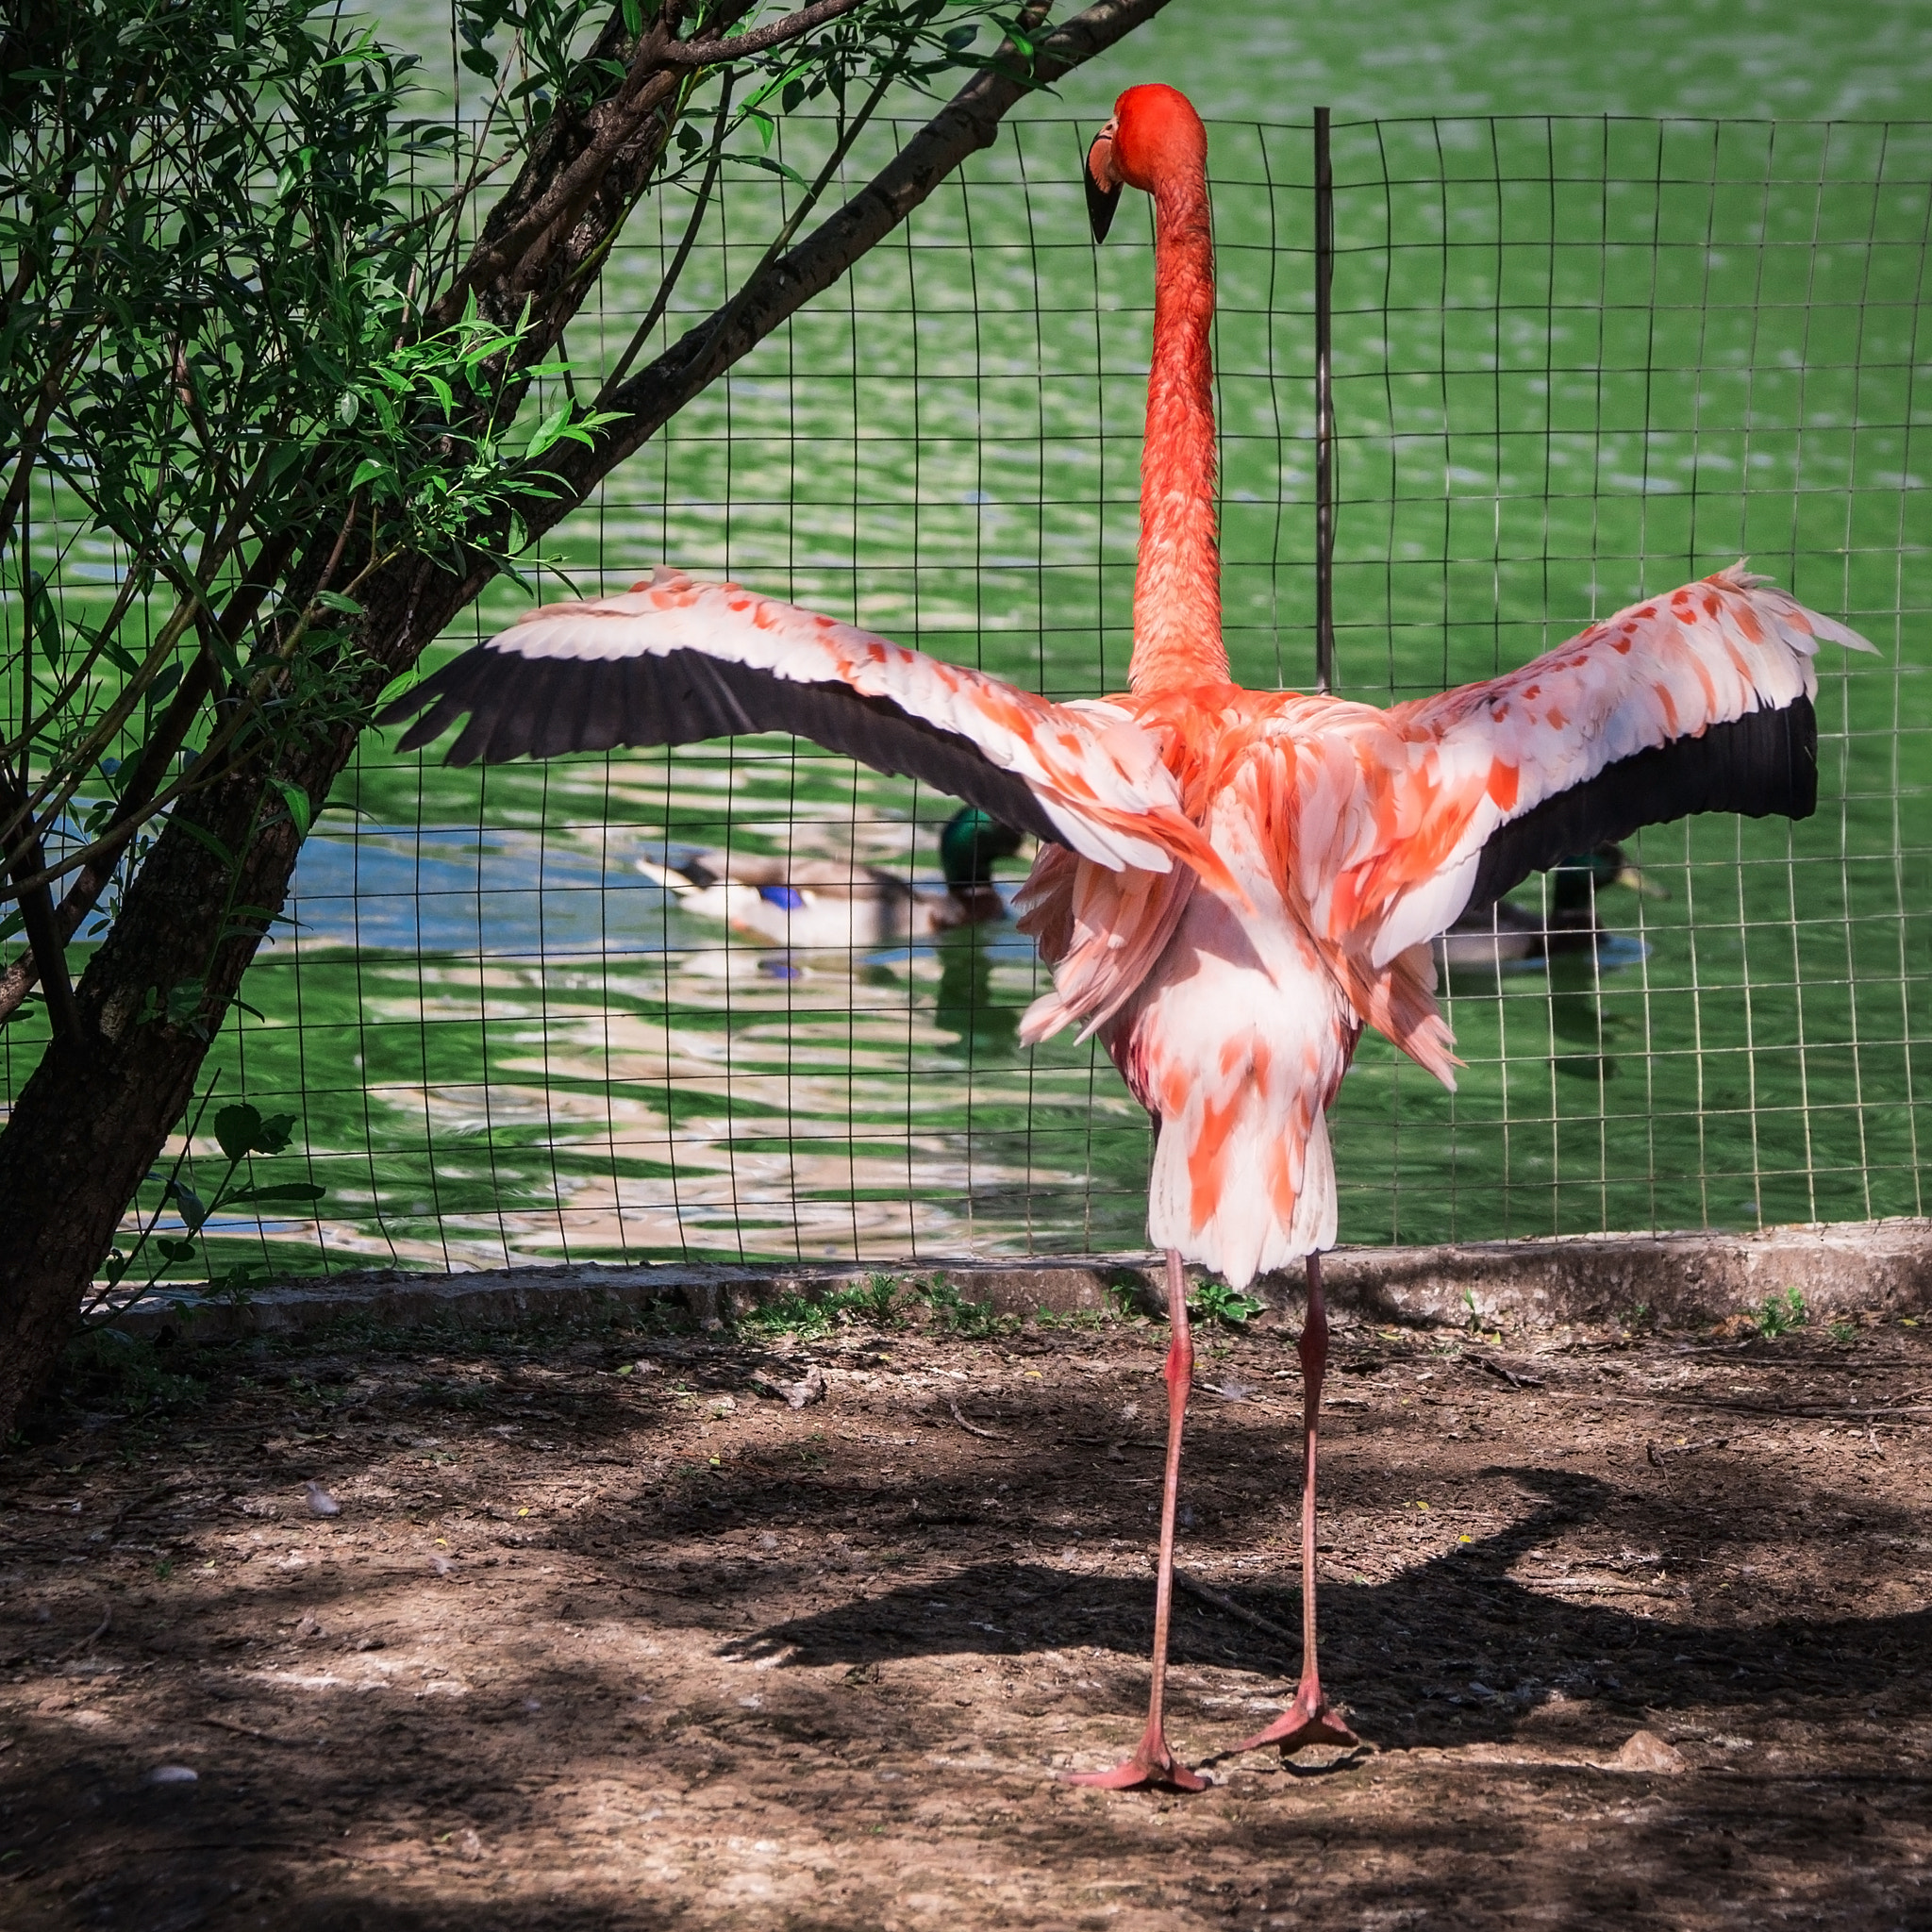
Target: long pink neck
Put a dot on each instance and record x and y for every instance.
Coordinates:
(1177, 586)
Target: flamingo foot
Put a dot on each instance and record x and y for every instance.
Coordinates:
(1309, 1719)
(1153, 1763)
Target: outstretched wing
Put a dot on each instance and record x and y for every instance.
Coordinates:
(674, 661)
(1700, 701)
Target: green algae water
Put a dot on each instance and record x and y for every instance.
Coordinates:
(1579, 360)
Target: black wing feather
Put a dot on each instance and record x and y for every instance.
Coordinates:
(1763, 762)
(543, 707)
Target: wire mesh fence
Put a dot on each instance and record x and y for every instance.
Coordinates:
(1576, 362)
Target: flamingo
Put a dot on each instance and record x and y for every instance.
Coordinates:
(1231, 883)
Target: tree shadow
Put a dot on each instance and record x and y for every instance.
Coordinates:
(1454, 1649)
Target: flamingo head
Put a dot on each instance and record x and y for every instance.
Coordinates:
(1155, 135)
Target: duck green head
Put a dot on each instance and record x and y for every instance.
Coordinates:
(1576, 880)
(971, 841)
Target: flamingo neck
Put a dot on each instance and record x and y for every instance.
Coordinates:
(1177, 584)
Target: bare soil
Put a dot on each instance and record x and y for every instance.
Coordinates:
(604, 1636)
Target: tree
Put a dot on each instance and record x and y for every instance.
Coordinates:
(242, 349)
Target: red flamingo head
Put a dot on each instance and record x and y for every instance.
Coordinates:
(1154, 138)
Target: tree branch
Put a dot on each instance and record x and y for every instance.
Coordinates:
(139, 786)
(43, 932)
(668, 285)
(712, 49)
(968, 123)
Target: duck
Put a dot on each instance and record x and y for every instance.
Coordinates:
(822, 902)
(1489, 937)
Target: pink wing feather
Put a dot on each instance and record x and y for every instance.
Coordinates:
(674, 659)
(1393, 810)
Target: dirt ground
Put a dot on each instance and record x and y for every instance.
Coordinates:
(607, 1633)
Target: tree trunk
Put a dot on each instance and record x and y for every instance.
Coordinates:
(92, 1119)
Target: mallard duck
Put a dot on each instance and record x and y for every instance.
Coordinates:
(822, 903)
(1491, 936)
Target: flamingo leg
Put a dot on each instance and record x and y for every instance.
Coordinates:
(1153, 1762)
(1311, 1719)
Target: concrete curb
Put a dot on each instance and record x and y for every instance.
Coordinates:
(1682, 1280)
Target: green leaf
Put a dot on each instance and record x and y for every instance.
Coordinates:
(236, 1128)
(205, 839)
(190, 1206)
(334, 600)
(548, 431)
(184, 1001)
(242, 1129)
(277, 1194)
(118, 654)
(771, 167)
(297, 801)
(42, 620)
(633, 17)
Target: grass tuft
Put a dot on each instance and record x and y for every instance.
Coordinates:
(1781, 1314)
(1215, 1301)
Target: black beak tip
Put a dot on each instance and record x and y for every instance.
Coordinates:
(1101, 202)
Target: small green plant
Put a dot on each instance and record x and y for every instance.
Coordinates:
(105, 1370)
(1214, 1301)
(1843, 1333)
(1124, 1298)
(1780, 1314)
(1482, 1330)
(241, 1131)
(878, 1301)
(1071, 1318)
(952, 1312)
(811, 1317)
(791, 1313)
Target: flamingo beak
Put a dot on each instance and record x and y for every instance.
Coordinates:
(1103, 184)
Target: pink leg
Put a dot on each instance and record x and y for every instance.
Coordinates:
(1309, 1720)
(1154, 1762)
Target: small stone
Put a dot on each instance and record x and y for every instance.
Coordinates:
(468, 1846)
(321, 1503)
(309, 1626)
(174, 1774)
(1646, 1751)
